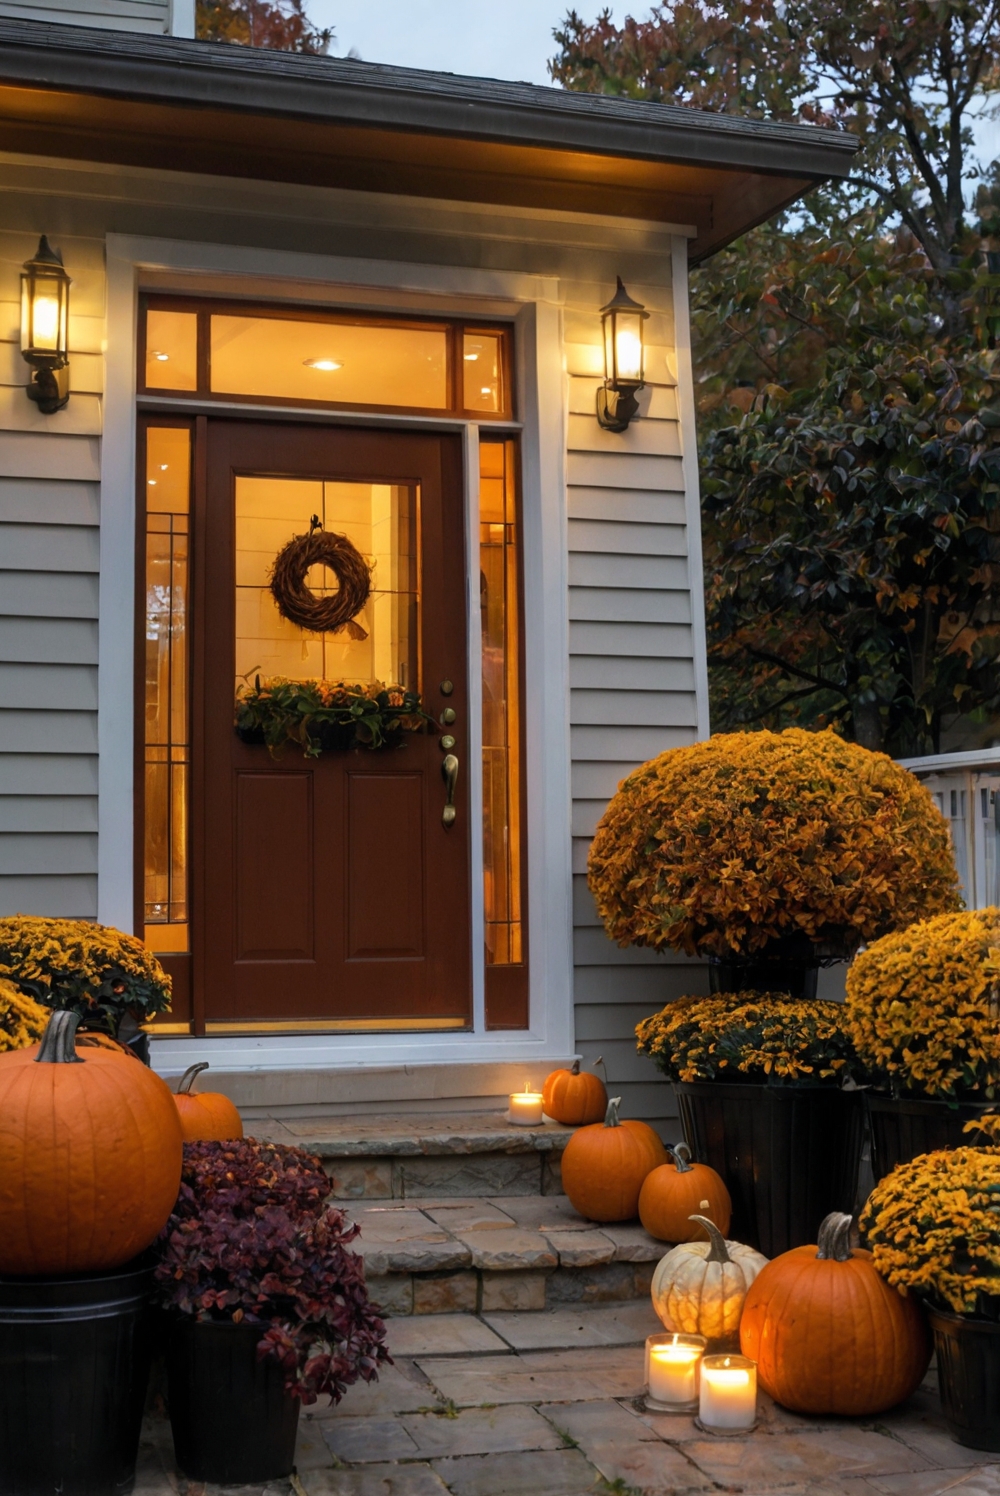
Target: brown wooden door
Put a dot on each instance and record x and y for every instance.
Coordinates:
(329, 890)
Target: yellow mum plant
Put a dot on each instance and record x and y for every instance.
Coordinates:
(22, 1020)
(933, 1225)
(758, 1036)
(755, 837)
(99, 972)
(923, 1005)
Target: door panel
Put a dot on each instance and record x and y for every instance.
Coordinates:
(385, 897)
(274, 914)
(328, 890)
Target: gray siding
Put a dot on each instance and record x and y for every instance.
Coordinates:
(632, 672)
(114, 15)
(49, 559)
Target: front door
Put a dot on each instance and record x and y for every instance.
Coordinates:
(331, 891)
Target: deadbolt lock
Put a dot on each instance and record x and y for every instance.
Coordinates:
(447, 743)
(447, 687)
(447, 716)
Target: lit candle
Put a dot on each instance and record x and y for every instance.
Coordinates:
(728, 1392)
(526, 1107)
(672, 1370)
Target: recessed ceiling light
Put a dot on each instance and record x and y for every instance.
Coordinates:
(152, 482)
(163, 467)
(327, 365)
(161, 358)
(470, 358)
(486, 391)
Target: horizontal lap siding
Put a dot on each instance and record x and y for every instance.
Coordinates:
(632, 671)
(49, 561)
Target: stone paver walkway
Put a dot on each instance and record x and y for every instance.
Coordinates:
(547, 1404)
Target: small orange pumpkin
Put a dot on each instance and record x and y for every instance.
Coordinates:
(206, 1116)
(90, 1155)
(830, 1335)
(603, 1166)
(673, 1195)
(574, 1096)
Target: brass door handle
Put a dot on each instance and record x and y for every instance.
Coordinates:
(449, 773)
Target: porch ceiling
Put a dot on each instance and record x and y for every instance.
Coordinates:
(234, 111)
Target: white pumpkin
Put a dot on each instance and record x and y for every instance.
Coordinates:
(699, 1287)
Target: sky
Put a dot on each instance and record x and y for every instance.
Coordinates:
(510, 39)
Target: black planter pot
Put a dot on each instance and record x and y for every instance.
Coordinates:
(788, 1154)
(903, 1128)
(232, 1420)
(798, 976)
(968, 1362)
(74, 1363)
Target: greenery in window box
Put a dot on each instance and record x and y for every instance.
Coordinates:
(320, 714)
(760, 1036)
(253, 1241)
(933, 1225)
(95, 970)
(923, 1007)
(749, 838)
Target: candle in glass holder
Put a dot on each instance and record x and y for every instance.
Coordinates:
(672, 1371)
(526, 1107)
(728, 1398)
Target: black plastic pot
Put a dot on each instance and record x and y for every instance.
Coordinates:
(74, 1363)
(968, 1363)
(789, 1154)
(787, 965)
(232, 1420)
(903, 1128)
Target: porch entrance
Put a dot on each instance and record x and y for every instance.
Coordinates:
(330, 891)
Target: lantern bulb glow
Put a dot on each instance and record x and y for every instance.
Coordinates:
(45, 325)
(628, 346)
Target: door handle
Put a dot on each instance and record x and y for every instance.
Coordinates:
(449, 773)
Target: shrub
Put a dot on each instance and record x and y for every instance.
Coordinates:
(933, 1226)
(753, 1036)
(751, 838)
(97, 971)
(22, 1020)
(252, 1240)
(923, 1006)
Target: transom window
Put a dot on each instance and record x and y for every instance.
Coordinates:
(281, 355)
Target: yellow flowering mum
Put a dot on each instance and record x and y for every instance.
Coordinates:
(749, 837)
(70, 963)
(762, 1035)
(923, 1005)
(22, 1020)
(933, 1226)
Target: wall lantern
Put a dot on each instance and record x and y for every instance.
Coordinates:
(45, 327)
(621, 321)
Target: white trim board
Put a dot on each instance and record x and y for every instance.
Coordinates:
(533, 303)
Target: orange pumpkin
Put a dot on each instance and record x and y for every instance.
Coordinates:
(603, 1166)
(574, 1096)
(675, 1192)
(830, 1335)
(208, 1116)
(90, 1155)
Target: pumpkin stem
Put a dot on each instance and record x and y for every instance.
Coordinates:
(718, 1251)
(58, 1046)
(834, 1237)
(681, 1155)
(611, 1117)
(187, 1079)
(576, 1068)
(600, 1061)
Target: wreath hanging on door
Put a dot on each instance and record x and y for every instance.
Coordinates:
(299, 604)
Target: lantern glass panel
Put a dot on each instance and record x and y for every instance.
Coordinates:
(44, 313)
(628, 348)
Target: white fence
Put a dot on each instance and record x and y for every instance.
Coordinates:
(966, 787)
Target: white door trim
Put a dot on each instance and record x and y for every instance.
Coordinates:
(533, 304)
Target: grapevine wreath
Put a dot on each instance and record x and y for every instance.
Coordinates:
(297, 603)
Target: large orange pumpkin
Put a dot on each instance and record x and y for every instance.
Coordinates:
(673, 1195)
(828, 1333)
(574, 1096)
(603, 1166)
(206, 1116)
(90, 1155)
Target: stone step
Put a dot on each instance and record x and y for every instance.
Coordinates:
(444, 1254)
(398, 1157)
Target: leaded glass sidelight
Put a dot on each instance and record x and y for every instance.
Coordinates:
(167, 748)
(499, 596)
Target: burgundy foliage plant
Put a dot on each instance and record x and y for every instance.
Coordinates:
(253, 1240)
